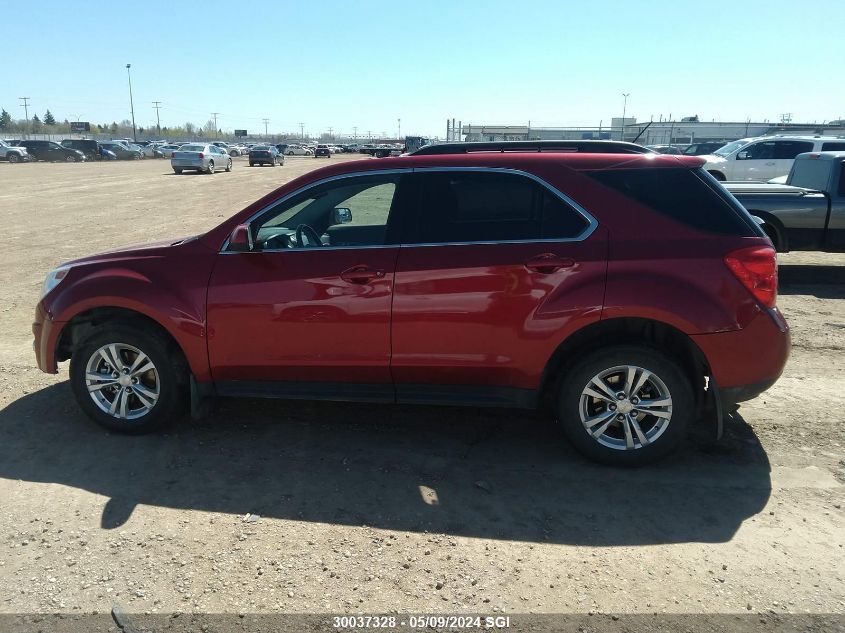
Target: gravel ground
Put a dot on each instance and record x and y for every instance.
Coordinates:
(274, 506)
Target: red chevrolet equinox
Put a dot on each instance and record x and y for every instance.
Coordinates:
(630, 293)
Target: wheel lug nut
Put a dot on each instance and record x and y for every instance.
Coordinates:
(620, 417)
(114, 374)
(634, 400)
(612, 407)
(134, 381)
(634, 412)
(128, 389)
(620, 396)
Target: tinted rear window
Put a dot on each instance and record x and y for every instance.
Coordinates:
(833, 146)
(683, 195)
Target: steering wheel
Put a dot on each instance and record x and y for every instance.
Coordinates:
(303, 230)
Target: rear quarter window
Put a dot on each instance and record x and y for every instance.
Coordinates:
(685, 195)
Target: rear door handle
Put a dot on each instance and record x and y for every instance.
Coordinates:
(361, 274)
(548, 263)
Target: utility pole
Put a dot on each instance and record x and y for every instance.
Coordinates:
(266, 121)
(302, 131)
(331, 138)
(157, 106)
(399, 121)
(624, 110)
(355, 132)
(214, 114)
(25, 105)
(131, 102)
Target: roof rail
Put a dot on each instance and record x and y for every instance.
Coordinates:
(566, 147)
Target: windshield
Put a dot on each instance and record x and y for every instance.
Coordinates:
(730, 148)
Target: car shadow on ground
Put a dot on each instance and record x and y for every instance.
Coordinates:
(477, 472)
(825, 282)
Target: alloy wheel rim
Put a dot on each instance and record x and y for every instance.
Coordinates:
(625, 407)
(122, 381)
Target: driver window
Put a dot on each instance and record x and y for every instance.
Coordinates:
(346, 212)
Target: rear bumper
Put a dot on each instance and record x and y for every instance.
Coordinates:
(746, 362)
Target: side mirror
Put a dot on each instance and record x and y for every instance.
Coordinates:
(240, 241)
(341, 215)
(742, 156)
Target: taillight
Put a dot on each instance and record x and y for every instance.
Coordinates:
(757, 268)
(202, 155)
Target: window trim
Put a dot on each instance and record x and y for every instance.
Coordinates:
(592, 223)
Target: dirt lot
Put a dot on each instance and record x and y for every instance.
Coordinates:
(382, 508)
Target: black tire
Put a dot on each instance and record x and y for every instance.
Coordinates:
(13, 157)
(172, 372)
(251, 164)
(71, 159)
(658, 364)
(290, 153)
(178, 170)
(229, 165)
(210, 168)
(136, 157)
(718, 175)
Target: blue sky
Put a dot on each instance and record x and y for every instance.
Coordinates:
(341, 64)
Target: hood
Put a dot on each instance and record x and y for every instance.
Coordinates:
(712, 159)
(151, 249)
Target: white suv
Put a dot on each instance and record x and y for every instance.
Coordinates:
(765, 157)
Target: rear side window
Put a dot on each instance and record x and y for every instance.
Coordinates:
(684, 195)
(492, 207)
(833, 146)
(790, 149)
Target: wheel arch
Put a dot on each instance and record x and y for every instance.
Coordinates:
(661, 336)
(774, 228)
(78, 328)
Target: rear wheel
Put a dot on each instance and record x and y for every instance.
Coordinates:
(177, 170)
(229, 165)
(718, 175)
(127, 380)
(210, 168)
(251, 164)
(290, 153)
(625, 406)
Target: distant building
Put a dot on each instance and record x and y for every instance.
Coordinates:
(650, 133)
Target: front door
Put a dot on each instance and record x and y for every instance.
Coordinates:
(307, 312)
(496, 270)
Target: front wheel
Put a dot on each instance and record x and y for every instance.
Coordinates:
(70, 159)
(626, 405)
(229, 165)
(127, 380)
(13, 157)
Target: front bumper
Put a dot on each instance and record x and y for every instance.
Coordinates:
(45, 334)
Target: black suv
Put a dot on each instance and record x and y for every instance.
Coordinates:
(48, 150)
(89, 147)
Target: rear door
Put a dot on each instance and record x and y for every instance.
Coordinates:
(494, 271)
(785, 153)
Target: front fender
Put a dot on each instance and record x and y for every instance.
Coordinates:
(178, 305)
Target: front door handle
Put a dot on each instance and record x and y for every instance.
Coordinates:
(770, 163)
(361, 274)
(548, 263)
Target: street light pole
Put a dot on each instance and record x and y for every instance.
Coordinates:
(131, 102)
(624, 109)
(399, 121)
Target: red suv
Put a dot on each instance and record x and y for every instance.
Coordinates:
(631, 292)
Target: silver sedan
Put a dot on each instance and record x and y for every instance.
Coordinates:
(200, 157)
